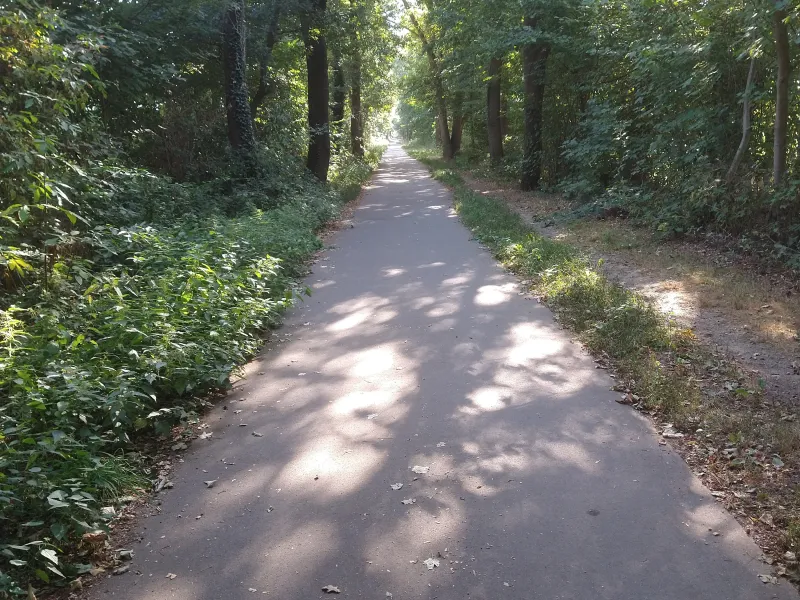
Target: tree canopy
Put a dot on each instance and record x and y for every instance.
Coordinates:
(685, 114)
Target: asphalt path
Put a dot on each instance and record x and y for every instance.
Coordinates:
(418, 361)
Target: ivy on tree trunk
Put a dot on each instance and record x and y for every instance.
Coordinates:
(241, 133)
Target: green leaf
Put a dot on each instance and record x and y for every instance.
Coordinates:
(59, 530)
(50, 555)
(24, 213)
(54, 570)
(18, 563)
(70, 215)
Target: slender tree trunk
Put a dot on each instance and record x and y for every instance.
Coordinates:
(264, 83)
(504, 127)
(240, 122)
(441, 105)
(457, 134)
(782, 96)
(319, 147)
(356, 116)
(438, 85)
(747, 117)
(457, 130)
(339, 92)
(493, 109)
(534, 60)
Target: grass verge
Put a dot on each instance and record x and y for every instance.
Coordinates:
(745, 449)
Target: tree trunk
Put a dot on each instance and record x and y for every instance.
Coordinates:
(264, 83)
(441, 105)
(319, 146)
(493, 109)
(457, 135)
(240, 122)
(782, 96)
(438, 85)
(339, 92)
(504, 127)
(746, 120)
(534, 61)
(356, 117)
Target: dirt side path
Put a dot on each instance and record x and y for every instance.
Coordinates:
(750, 316)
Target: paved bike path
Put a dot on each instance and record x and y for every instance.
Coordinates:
(417, 349)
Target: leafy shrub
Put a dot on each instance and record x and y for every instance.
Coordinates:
(124, 337)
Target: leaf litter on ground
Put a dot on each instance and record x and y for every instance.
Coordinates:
(431, 563)
(331, 589)
(396, 486)
(420, 470)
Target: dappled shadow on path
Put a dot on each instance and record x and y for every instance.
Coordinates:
(416, 349)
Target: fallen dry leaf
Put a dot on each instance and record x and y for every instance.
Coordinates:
(409, 501)
(396, 486)
(207, 435)
(210, 483)
(331, 589)
(420, 470)
(171, 576)
(671, 433)
(431, 563)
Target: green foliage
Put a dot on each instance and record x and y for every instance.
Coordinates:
(642, 109)
(140, 260)
(45, 87)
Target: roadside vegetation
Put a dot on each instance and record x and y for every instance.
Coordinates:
(161, 197)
